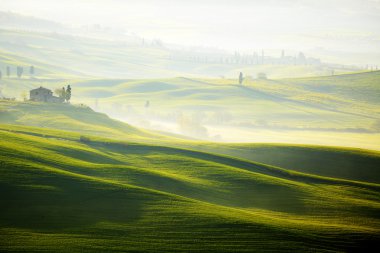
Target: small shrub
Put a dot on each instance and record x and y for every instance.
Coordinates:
(84, 139)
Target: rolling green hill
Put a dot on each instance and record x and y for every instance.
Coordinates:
(65, 195)
(339, 110)
(44, 69)
(356, 93)
(60, 55)
(338, 103)
(81, 119)
(318, 160)
(78, 118)
(343, 102)
(347, 163)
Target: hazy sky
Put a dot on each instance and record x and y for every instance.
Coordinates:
(236, 24)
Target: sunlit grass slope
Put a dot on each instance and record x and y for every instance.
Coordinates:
(345, 163)
(337, 103)
(348, 103)
(357, 93)
(359, 165)
(79, 118)
(65, 195)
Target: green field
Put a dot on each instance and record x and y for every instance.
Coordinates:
(78, 118)
(65, 195)
(152, 192)
(341, 110)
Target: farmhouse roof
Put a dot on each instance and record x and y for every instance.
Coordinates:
(41, 88)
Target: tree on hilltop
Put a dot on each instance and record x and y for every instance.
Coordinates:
(31, 70)
(241, 78)
(8, 71)
(20, 70)
(24, 96)
(68, 93)
(61, 93)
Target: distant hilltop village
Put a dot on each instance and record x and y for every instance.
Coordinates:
(42, 94)
(255, 58)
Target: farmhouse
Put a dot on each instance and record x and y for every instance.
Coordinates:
(42, 94)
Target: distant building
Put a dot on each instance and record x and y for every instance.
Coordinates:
(42, 94)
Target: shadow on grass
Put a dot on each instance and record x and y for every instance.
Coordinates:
(49, 201)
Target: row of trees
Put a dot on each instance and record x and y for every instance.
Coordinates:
(63, 93)
(260, 75)
(255, 58)
(19, 71)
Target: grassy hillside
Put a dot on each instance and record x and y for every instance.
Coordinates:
(344, 163)
(44, 69)
(84, 121)
(348, 102)
(84, 56)
(339, 110)
(336, 110)
(59, 55)
(334, 102)
(78, 118)
(102, 195)
(356, 93)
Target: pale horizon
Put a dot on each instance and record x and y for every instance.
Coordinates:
(349, 27)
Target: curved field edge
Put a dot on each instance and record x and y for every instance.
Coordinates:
(337, 162)
(325, 161)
